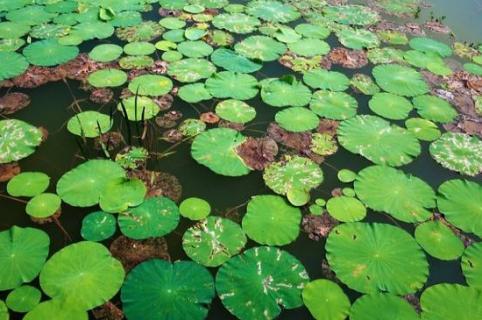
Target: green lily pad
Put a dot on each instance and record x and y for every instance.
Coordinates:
(454, 203)
(473, 68)
(195, 49)
(297, 119)
(272, 11)
(309, 47)
(364, 84)
(84, 274)
(312, 31)
(13, 64)
(4, 315)
(98, 226)
(284, 92)
(18, 140)
(326, 300)
(346, 175)
(458, 152)
(57, 309)
(28, 184)
(428, 45)
(378, 140)
(351, 14)
(192, 127)
(236, 22)
(235, 111)
(323, 144)
(269, 212)
(260, 47)
(12, 30)
(333, 105)
(400, 80)
(31, 15)
(89, 124)
(346, 209)
(155, 217)
(451, 301)
(232, 61)
(259, 282)
(136, 62)
(121, 193)
(211, 242)
(43, 205)
(472, 265)
(191, 69)
(376, 257)
(193, 93)
(357, 39)
(172, 23)
(158, 289)
(150, 85)
(23, 299)
(326, 80)
(107, 78)
(139, 108)
(195, 208)
(423, 129)
(434, 108)
(139, 48)
(379, 306)
(390, 106)
(292, 173)
(216, 149)
(83, 185)
(47, 53)
(23, 252)
(228, 84)
(405, 197)
(438, 240)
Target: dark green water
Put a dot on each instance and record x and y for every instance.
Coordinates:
(49, 109)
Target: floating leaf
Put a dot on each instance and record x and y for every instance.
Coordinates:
(439, 240)
(228, 84)
(107, 78)
(28, 184)
(434, 108)
(57, 309)
(428, 45)
(309, 47)
(326, 300)
(390, 106)
(195, 49)
(272, 11)
(47, 53)
(423, 129)
(213, 241)
(89, 124)
(191, 69)
(194, 93)
(98, 226)
(346, 209)
(139, 108)
(18, 140)
(271, 213)
(119, 194)
(284, 92)
(150, 85)
(472, 265)
(326, 80)
(400, 80)
(158, 289)
(236, 22)
(13, 64)
(195, 208)
(257, 283)
(357, 39)
(297, 119)
(23, 299)
(43, 205)
(385, 189)
(333, 105)
(376, 257)
(235, 111)
(378, 306)
(260, 47)
(232, 61)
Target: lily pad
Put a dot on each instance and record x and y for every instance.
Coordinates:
(13, 64)
(260, 47)
(284, 92)
(390, 106)
(378, 140)
(195, 49)
(121, 193)
(228, 84)
(454, 203)
(158, 289)
(346, 209)
(438, 240)
(259, 282)
(150, 85)
(271, 213)
(107, 78)
(385, 189)
(434, 108)
(472, 265)
(428, 45)
(18, 140)
(89, 124)
(47, 53)
(191, 69)
(58, 309)
(376, 257)
(83, 185)
(309, 47)
(216, 149)
(139, 48)
(297, 119)
(195, 208)
(333, 105)
(28, 184)
(458, 152)
(98, 226)
(23, 252)
(23, 299)
(84, 274)
(326, 300)
(236, 22)
(357, 39)
(400, 80)
(379, 306)
(423, 129)
(155, 217)
(193, 93)
(139, 108)
(211, 242)
(235, 111)
(232, 61)
(43, 205)
(326, 80)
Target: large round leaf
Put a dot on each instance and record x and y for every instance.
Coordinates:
(390, 106)
(333, 105)
(139, 108)
(47, 53)
(434, 108)
(326, 80)
(309, 47)
(385, 189)
(236, 22)
(57, 309)
(107, 78)
(376, 257)
(297, 119)
(89, 124)
(83, 185)
(28, 184)
(83, 274)
(326, 300)
(232, 61)
(216, 149)
(18, 140)
(270, 220)
(428, 45)
(346, 209)
(23, 252)
(472, 265)
(158, 289)
(256, 284)
(191, 69)
(260, 47)
(285, 92)
(272, 11)
(382, 306)
(150, 85)
(121, 193)
(211, 242)
(228, 84)
(378, 140)
(400, 80)
(459, 201)
(439, 240)
(155, 217)
(235, 111)
(13, 64)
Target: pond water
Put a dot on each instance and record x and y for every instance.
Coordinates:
(51, 108)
